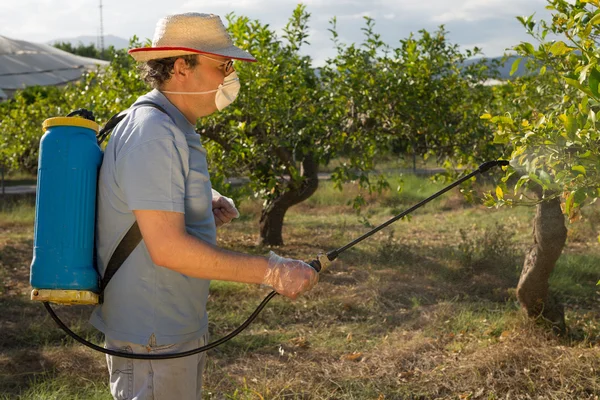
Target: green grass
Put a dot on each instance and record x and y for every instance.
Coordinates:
(47, 386)
(388, 163)
(484, 319)
(424, 309)
(575, 276)
(404, 190)
(19, 210)
(19, 178)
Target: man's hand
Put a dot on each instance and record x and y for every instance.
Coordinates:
(223, 209)
(289, 277)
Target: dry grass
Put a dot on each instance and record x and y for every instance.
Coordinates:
(413, 314)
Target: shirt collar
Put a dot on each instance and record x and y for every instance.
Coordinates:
(180, 120)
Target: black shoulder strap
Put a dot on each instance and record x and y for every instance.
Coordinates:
(133, 237)
(115, 119)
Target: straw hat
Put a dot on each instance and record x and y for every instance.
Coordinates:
(190, 33)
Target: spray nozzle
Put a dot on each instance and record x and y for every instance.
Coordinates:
(490, 164)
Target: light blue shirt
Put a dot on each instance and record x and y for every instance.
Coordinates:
(153, 161)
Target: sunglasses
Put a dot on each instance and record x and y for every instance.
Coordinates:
(228, 64)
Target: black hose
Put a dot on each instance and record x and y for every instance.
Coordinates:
(314, 263)
(160, 356)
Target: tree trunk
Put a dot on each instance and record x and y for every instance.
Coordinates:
(271, 219)
(549, 236)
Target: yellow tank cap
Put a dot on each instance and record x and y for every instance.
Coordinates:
(66, 297)
(70, 121)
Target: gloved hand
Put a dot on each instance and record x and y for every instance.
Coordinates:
(223, 209)
(289, 277)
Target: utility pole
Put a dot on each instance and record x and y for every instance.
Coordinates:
(101, 32)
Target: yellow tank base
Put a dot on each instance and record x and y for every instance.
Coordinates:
(67, 297)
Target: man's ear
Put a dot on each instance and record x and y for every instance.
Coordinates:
(181, 69)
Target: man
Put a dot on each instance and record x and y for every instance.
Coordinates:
(155, 172)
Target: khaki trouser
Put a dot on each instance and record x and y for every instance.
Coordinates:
(177, 378)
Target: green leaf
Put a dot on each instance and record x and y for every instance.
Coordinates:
(545, 178)
(501, 138)
(489, 200)
(595, 20)
(594, 81)
(515, 66)
(526, 48)
(584, 72)
(576, 84)
(579, 197)
(580, 169)
(520, 182)
(529, 48)
(592, 117)
(559, 48)
(570, 124)
(537, 180)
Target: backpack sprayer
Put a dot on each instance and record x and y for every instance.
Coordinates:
(63, 269)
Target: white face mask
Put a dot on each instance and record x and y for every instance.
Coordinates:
(226, 92)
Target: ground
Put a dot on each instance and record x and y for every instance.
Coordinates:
(422, 310)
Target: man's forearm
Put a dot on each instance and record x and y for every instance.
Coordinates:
(196, 258)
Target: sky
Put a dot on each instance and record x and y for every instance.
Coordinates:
(488, 24)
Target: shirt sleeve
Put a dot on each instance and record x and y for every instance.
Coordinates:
(152, 175)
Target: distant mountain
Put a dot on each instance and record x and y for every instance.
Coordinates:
(109, 40)
(505, 66)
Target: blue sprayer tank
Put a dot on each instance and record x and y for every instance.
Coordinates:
(63, 268)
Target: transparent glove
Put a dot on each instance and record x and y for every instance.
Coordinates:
(224, 209)
(289, 277)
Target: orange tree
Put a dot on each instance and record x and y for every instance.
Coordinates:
(433, 99)
(287, 121)
(370, 98)
(291, 118)
(551, 126)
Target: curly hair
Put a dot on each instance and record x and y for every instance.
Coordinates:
(156, 72)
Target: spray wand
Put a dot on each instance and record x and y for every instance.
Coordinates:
(321, 263)
(323, 260)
